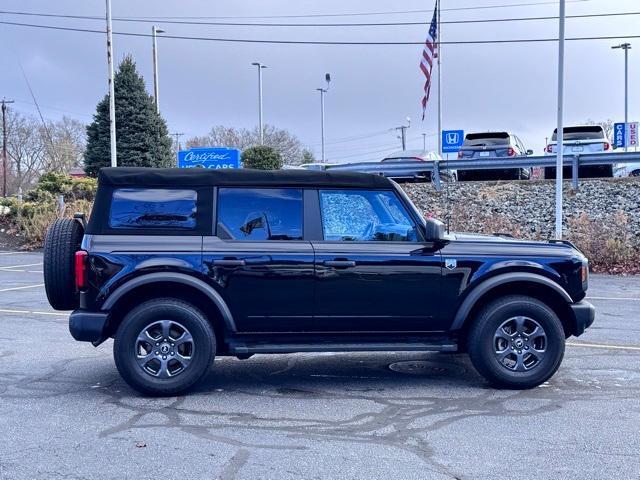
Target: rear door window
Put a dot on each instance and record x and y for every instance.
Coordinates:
(153, 208)
(260, 214)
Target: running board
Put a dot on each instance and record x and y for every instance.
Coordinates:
(239, 348)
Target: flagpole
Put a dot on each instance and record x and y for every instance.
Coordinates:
(439, 50)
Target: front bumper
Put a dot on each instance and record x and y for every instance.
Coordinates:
(584, 314)
(88, 326)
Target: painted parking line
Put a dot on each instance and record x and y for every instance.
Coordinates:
(32, 312)
(11, 267)
(14, 253)
(625, 299)
(604, 346)
(21, 288)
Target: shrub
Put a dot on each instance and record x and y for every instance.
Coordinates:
(84, 188)
(261, 157)
(608, 245)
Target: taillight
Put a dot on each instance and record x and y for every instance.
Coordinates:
(607, 146)
(511, 152)
(549, 149)
(81, 269)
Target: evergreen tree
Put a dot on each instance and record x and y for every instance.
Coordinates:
(141, 133)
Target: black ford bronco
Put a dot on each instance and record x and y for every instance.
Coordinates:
(179, 266)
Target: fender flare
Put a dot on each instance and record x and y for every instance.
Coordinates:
(479, 290)
(181, 278)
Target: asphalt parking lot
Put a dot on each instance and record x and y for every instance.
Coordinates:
(67, 414)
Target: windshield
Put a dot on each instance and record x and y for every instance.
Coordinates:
(580, 133)
(486, 139)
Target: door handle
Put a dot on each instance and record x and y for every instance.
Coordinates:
(229, 262)
(339, 263)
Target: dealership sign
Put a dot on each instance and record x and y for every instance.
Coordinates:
(209, 158)
(618, 135)
(632, 134)
(452, 140)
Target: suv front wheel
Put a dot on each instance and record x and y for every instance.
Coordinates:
(516, 342)
(164, 346)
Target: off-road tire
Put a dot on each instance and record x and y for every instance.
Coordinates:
(61, 243)
(482, 349)
(146, 314)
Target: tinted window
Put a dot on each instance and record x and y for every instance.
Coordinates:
(153, 208)
(579, 133)
(486, 139)
(363, 215)
(260, 214)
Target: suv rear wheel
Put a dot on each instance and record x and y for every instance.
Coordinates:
(516, 342)
(164, 346)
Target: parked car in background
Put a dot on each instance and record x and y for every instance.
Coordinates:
(316, 166)
(581, 140)
(415, 173)
(493, 145)
(626, 170)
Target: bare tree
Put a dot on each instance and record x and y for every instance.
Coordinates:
(284, 142)
(34, 148)
(607, 126)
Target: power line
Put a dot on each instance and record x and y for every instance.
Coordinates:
(355, 138)
(360, 14)
(316, 42)
(370, 24)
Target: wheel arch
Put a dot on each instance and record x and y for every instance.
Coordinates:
(169, 285)
(515, 283)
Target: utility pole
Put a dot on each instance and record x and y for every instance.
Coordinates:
(403, 133)
(260, 126)
(156, 93)
(439, 60)
(560, 134)
(4, 146)
(322, 91)
(424, 142)
(112, 94)
(177, 135)
(626, 47)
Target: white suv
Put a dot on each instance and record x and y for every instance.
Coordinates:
(581, 140)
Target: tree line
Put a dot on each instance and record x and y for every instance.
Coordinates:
(35, 147)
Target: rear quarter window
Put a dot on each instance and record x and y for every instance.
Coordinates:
(153, 208)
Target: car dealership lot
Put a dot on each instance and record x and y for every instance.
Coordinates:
(67, 413)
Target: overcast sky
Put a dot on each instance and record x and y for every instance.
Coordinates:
(373, 89)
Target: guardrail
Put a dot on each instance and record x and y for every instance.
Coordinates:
(405, 169)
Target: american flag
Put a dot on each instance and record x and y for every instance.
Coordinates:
(429, 53)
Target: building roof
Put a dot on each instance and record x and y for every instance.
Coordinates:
(199, 177)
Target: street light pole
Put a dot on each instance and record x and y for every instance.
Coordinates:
(156, 93)
(322, 91)
(260, 67)
(424, 142)
(560, 135)
(112, 94)
(626, 47)
(4, 146)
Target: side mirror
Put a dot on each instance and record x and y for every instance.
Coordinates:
(529, 152)
(434, 230)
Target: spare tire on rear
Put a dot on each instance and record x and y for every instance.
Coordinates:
(60, 246)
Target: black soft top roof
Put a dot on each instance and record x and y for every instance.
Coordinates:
(198, 177)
